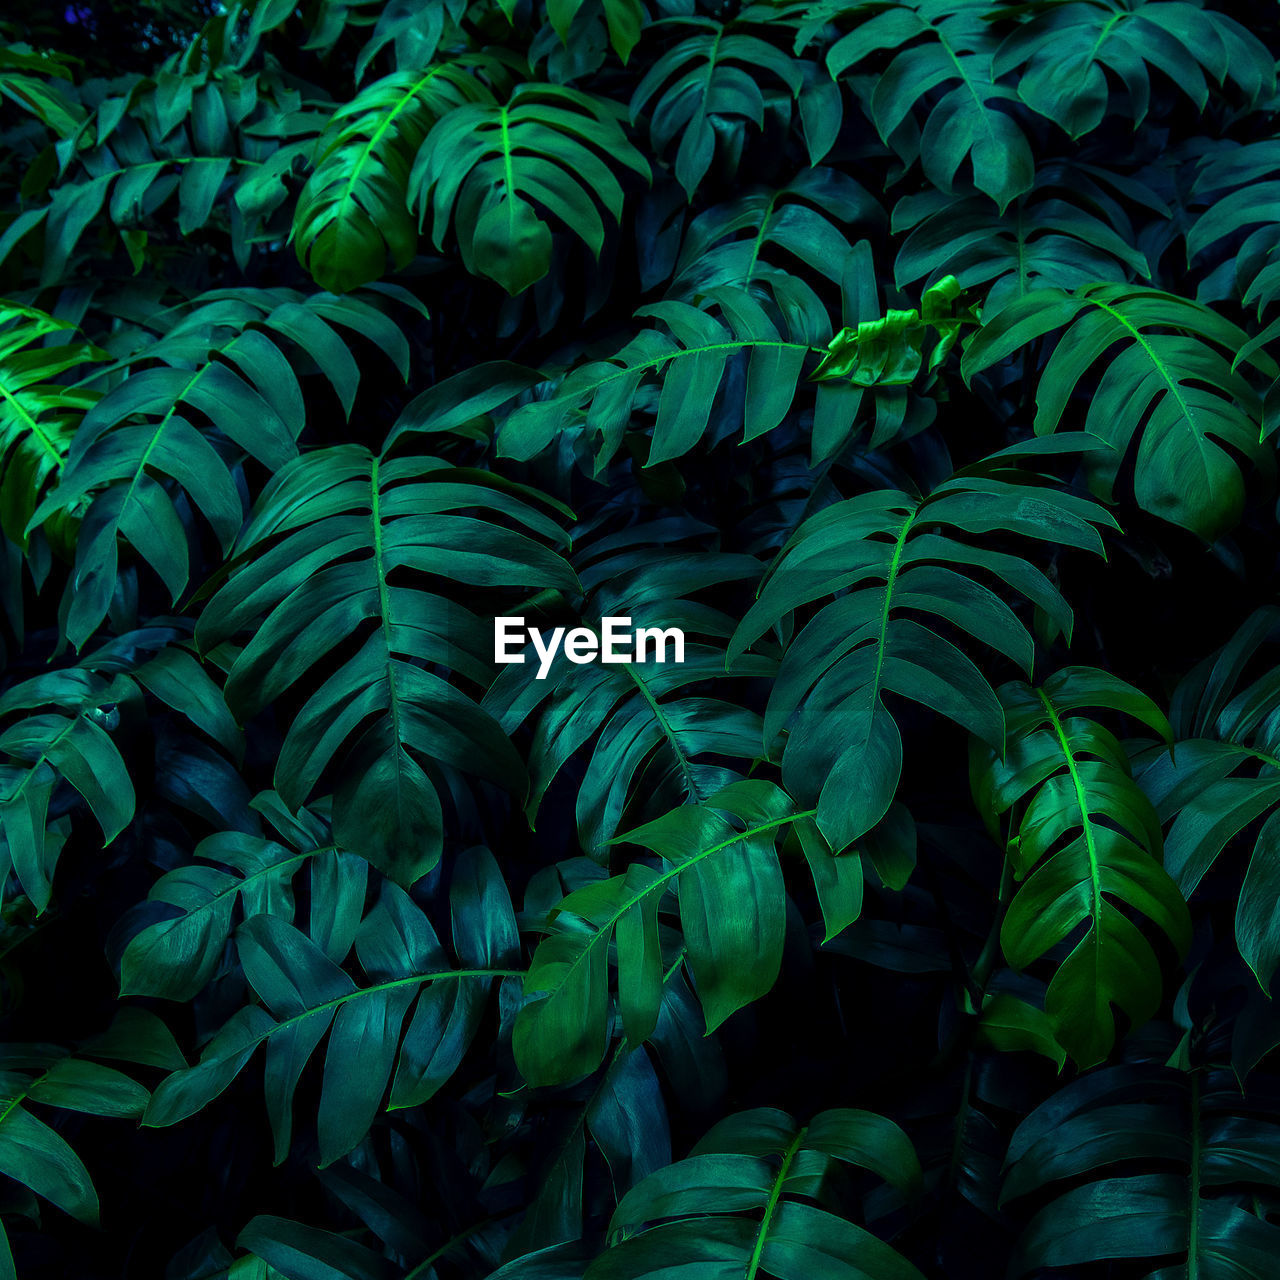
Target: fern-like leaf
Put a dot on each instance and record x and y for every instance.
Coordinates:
(1087, 842)
(488, 168)
(1168, 377)
(346, 545)
(903, 555)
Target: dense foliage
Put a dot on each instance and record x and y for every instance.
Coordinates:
(919, 360)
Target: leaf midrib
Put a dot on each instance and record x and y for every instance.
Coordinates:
(392, 984)
(384, 613)
(895, 563)
(668, 731)
(1165, 373)
(33, 426)
(1086, 824)
(241, 884)
(771, 1205)
(654, 362)
(357, 169)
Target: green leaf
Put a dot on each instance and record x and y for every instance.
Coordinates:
(314, 569)
(1066, 54)
(1107, 1124)
(1168, 382)
(1068, 231)
(656, 739)
(706, 88)
(901, 556)
(1086, 843)
(954, 49)
(722, 856)
(223, 366)
(300, 1252)
(44, 748)
(758, 1162)
(1222, 778)
(494, 170)
(176, 957)
(307, 996)
(690, 357)
(31, 1152)
(353, 214)
(624, 19)
(39, 416)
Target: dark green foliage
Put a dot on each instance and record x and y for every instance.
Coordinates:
(918, 361)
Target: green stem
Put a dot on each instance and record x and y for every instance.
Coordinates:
(772, 1204)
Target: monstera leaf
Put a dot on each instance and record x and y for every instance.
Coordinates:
(707, 91)
(1168, 379)
(1065, 53)
(176, 957)
(1239, 184)
(353, 214)
(63, 736)
(1086, 841)
(1164, 1155)
(1223, 777)
(349, 569)
(1068, 231)
(886, 556)
(759, 237)
(750, 1199)
(691, 356)
(38, 415)
(655, 736)
(215, 388)
(934, 44)
(36, 1077)
(722, 857)
(488, 167)
(202, 139)
(306, 996)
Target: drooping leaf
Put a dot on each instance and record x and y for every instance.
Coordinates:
(1086, 845)
(705, 90)
(494, 170)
